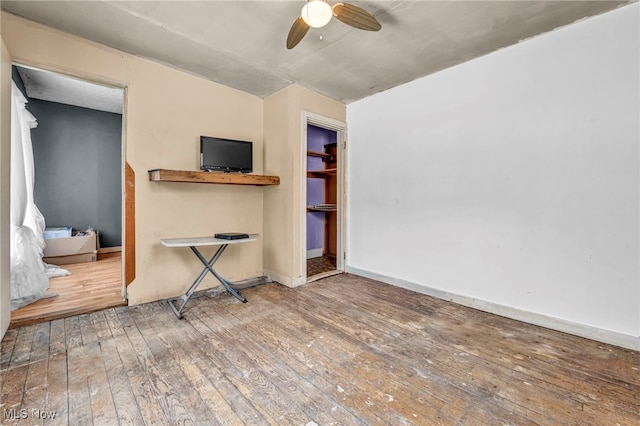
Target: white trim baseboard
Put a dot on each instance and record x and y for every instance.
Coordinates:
(581, 330)
(313, 253)
(284, 280)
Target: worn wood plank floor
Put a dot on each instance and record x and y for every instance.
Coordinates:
(343, 350)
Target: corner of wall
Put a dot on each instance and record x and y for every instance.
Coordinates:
(277, 160)
(569, 327)
(284, 280)
(5, 158)
(283, 157)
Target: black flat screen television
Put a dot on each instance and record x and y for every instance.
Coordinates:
(225, 155)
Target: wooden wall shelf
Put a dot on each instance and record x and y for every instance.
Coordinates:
(164, 175)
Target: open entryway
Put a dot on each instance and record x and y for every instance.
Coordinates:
(75, 185)
(323, 233)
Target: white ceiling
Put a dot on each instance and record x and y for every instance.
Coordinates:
(49, 86)
(241, 44)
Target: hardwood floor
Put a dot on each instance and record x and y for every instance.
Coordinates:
(343, 350)
(318, 265)
(92, 286)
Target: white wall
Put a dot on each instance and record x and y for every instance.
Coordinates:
(511, 182)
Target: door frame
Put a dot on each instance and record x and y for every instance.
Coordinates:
(127, 221)
(5, 187)
(340, 128)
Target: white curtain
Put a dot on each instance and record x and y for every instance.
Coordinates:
(29, 280)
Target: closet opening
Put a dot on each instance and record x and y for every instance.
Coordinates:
(324, 220)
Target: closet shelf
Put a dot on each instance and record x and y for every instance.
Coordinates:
(323, 155)
(165, 175)
(326, 202)
(321, 173)
(322, 208)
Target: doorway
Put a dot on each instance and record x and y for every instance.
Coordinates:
(78, 151)
(323, 232)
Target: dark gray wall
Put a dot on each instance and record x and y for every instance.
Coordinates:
(15, 76)
(78, 163)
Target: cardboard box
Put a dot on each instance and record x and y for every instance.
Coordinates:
(75, 249)
(74, 258)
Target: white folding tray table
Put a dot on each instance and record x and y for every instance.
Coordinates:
(193, 244)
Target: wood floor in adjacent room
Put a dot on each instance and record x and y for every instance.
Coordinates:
(342, 350)
(319, 265)
(91, 286)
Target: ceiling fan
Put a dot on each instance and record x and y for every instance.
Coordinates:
(318, 13)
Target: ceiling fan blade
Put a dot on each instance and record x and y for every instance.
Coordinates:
(297, 32)
(355, 17)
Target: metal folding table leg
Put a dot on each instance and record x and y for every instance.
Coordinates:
(224, 282)
(208, 268)
(192, 288)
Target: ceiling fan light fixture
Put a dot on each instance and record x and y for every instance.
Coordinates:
(316, 13)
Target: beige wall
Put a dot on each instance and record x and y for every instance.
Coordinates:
(278, 202)
(5, 161)
(166, 111)
(283, 157)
